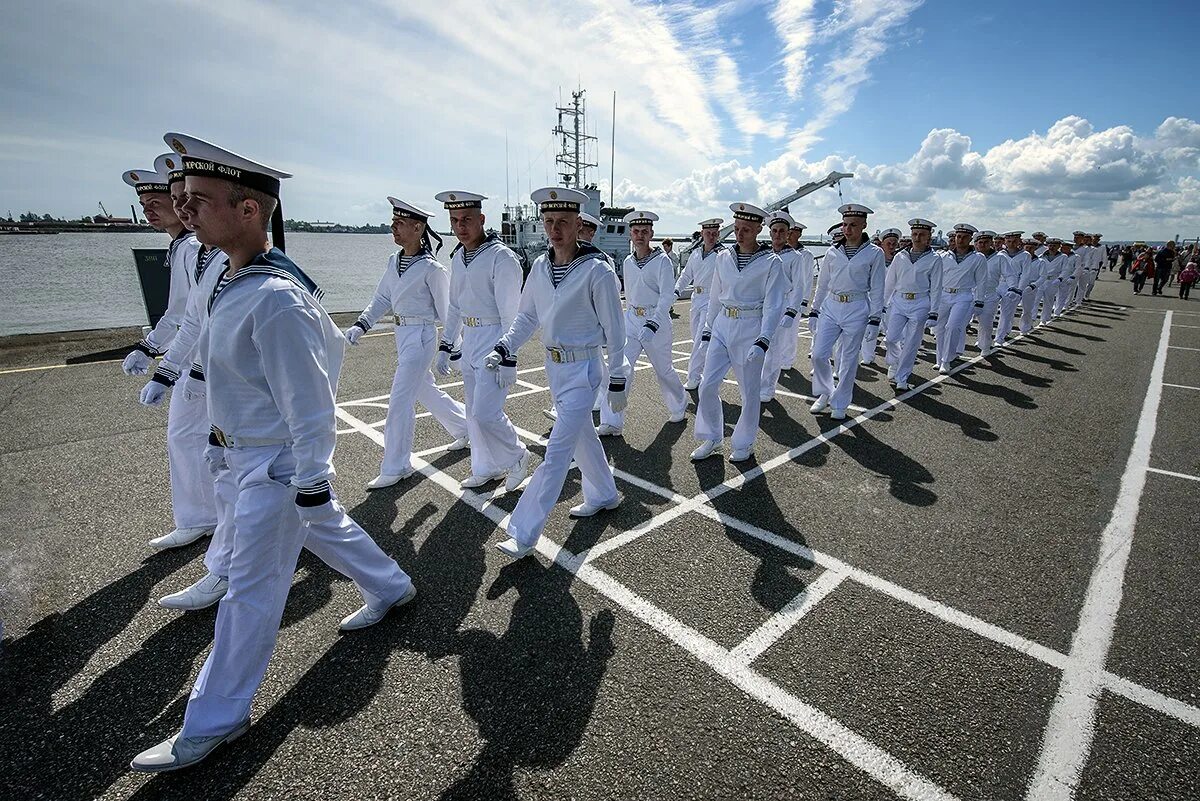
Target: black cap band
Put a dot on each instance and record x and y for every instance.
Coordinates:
(247, 178)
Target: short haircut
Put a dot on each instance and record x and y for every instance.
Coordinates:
(266, 203)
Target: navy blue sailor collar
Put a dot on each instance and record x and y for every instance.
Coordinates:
(585, 252)
(273, 263)
(490, 239)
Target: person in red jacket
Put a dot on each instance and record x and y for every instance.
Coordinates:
(1187, 277)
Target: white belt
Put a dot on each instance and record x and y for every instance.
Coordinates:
(697, 290)
(956, 290)
(479, 322)
(398, 320)
(846, 297)
(566, 355)
(913, 295)
(742, 311)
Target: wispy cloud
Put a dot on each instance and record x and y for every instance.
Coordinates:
(796, 26)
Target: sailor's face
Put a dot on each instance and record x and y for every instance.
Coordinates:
(640, 235)
(709, 235)
(1052, 248)
(467, 224)
(778, 235)
(587, 233)
(178, 199)
(157, 208)
(561, 227)
(853, 227)
(983, 244)
(793, 237)
(920, 238)
(1012, 242)
(746, 233)
(1031, 248)
(1080, 239)
(962, 240)
(888, 243)
(215, 220)
(406, 231)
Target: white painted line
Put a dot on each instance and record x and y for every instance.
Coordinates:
(1181, 347)
(1067, 740)
(1181, 325)
(1180, 386)
(786, 618)
(1173, 473)
(780, 391)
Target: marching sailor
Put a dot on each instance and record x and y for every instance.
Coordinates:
(698, 272)
(781, 356)
(963, 273)
(1069, 279)
(192, 502)
(748, 291)
(485, 287)
(271, 355)
(649, 292)
(808, 276)
(849, 298)
(1055, 262)
(415, 292)
(1083, 258)
(1031, 282)
(1010, 287)
(913, 281)
(1040, 236)
(985, 336)
(889, 239)
(1093, 266)
(574, 297)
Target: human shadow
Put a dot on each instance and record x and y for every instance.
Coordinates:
(999, 363)
(531, 690)
(972, 426)
(655, 461)
(1054, 364)
(908, 479)
(1007, 394)
(1078, 334)
(112, 354)
(1040, 341)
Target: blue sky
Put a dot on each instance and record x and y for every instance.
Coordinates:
(1056, 115)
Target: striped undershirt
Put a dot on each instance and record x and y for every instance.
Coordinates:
(742, 258)
(403, 262)
(469, 255)
(852, 251)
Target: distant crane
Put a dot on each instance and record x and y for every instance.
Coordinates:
(104, 211)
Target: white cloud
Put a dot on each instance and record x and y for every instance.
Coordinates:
(1180, 142)
(796, 26)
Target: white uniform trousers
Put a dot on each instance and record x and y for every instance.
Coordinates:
(573, 386)
(192, 500)
(267, 539)
(1046, 296)
(950, 333)
(415, 347)
(731, 341)
(699, 349)
(658, 353)
(1008, 310)
(220, 547)
(494, 443)
(1029, 299)
(843, 325)
(778, 358)
(986, 330)
(905, 329)
(1066, 295)
(1089, 281)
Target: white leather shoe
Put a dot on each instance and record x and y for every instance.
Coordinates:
(677, 418)
(586, 509)
(903, 387)
(944, 369)
(706, 449)
(460, 444)
(510, 547)
(690, 387)
(472, 481)
(201, 595)
(766, 398)
(388, 479)
(837, 414)
(369, 616)
(820, 404)
(550, 414)
(180, 537)
(741, 454)
(181, 752)
(518, 472)
(892, 373)
(607, 430)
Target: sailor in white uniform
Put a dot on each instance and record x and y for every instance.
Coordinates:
(808, 275)
(914, 279)
(963, 273)
(192, 502)
(415, 292)
(1031, 282)
(783, 352)
(1010, 286)
(1083, 262)
(1055, 264)
(698, 273)
(1093, 266)
(573, 296)
(649, 293)
(1040, 236)
(985, 243)
(748, 291)
(271, 355)
(485, 288)
(889, 240)
(1069, 279)
(849, 297)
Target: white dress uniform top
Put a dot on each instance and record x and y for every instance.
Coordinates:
(748, 291)
(849, 295)
(1092, 268)
(962, 292)
(1010, 287)
(1052, 270)
(1084, 257)
(698, 273)
(986, 329)
(415, 291)
(1068, 278)
(871, 335)
(796, 292)
(913, 281)
(649, 293)
(577, 306)
(1031, 279)
(485, 288)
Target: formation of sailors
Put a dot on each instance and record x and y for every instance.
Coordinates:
(254, 362)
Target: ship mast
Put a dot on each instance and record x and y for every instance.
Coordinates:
(573, 138)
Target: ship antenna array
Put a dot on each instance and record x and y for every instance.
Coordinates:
(573, 138)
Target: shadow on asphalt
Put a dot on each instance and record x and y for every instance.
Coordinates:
(100, 355)
(909, 479)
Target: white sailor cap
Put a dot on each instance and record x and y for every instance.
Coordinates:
(1097, 235)
(589, 219)
(836, 232)
(558, 198)
(407, 210)
(640, 218)
(747, 211)
(1067, 244)
(854, 210)
(457, 199)
(1036, 234)
(712, 222)
(922, 223)
(206, 159)
(798, 226)
(964, 228)
(1029, 240)
(1080, 233)
(170, 165)
(1054, 240)
(1014, 233)
(889, 232)
(986, 232)
(146, 182)
(781, 216)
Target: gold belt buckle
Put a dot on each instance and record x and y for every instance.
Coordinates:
(731, 311)
(220, 437)
(843, 298)
(639, 311)
(556, 355)
(472, 322)
(699, 290)
(952, 291)
(910, 295)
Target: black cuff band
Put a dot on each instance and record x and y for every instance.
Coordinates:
(814, 313)
(508, 362)
(763, 343)
(159, 378)
(455, 355)
(196, 374)
(706, 337)
(616, 385)
(503, 351)
(361, 323)
(653, 326)
(314, 496)
(445, 347)
(146, 349)
(212, 440)
(790, 313)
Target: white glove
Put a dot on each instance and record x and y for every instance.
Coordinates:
(617, 399)
(456, 363)
(755, 355)
(645, 334)
(492, 360)
(442, 363)
(812, 323)
(153, 393)
(195, 390)
(136, 363)
(506, 375)
(787, 321)
(353, 333)
(313, 515)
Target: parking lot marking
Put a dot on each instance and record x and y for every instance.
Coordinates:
(1188, 476)
(786, 618)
